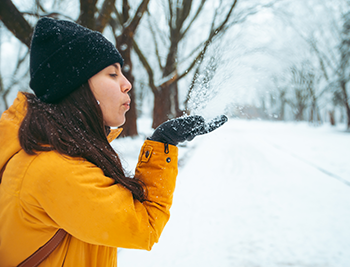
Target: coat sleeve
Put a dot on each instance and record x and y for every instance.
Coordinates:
(76, 196)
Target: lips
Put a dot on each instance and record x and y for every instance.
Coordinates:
(127, 104)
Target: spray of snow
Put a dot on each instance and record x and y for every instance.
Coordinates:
(224, 83)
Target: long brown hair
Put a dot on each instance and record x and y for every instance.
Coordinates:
(74, 127)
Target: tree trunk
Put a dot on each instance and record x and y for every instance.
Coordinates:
(178, 111)
(313, 114)
(300, 113)
(319, 119)
(348, 114)
(166, 102)
(283, 102)
(282, 110)
(124, 45)
(346, 103)
(161, 108)
(174, 101)
(331, 117)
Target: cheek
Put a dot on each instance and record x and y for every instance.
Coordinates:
(97, 87)
(111, 99)
(110, 103)
(104, 94)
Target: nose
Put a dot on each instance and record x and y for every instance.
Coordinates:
(126, 86)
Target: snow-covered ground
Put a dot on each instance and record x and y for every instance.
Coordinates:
(255, 194)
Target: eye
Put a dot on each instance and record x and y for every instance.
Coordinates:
(113, 75)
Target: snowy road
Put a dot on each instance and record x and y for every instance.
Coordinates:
(255, 194)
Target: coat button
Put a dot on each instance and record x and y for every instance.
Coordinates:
(168, 160)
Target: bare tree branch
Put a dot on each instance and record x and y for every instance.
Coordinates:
(213, 34)
(15, 22)
(320, 58)
(198, 59)
(164, 37)
(55, 15)
(200, 8)
(87, 13)
(105, 15)
(155, 43)
(168, 82)
(119, 18)
(174, 77)
(221, 27)
(129, 28)
(125, 11)
(38, 7)
(147, 67)
(214, 18)
(171, 15)
(138, 15)
(182, 13)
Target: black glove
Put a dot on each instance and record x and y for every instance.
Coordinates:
(185, 129)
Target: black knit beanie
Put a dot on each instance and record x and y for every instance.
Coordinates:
(64, 55)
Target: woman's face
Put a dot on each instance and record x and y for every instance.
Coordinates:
(110, 88)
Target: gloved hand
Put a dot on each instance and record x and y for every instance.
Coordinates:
(185, 129)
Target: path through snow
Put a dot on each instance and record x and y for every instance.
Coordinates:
(258, 194)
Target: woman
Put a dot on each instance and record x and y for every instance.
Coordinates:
(57, 168)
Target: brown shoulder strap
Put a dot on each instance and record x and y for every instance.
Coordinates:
(43, 252)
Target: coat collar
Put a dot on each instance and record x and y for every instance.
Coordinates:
(114, 134)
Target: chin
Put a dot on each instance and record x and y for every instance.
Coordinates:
(120, 123)
(116, 123)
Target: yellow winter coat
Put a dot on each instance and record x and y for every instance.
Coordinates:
(40, 194)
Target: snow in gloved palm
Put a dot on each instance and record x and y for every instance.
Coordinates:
(186, 128)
